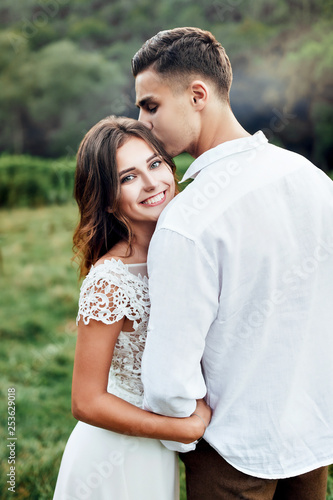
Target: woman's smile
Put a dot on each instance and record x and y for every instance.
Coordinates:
(157, 199)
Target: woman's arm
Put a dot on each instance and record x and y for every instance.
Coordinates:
(91, 403)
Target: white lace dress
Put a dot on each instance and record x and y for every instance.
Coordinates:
(99, 464)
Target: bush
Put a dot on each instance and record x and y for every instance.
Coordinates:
(30, 181)
(27, 181)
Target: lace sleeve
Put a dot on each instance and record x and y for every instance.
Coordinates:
(110, 292)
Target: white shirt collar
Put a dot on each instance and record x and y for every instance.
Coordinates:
(223, 150)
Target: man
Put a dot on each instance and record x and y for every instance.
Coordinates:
(241, 284)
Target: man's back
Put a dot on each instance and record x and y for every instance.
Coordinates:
(261, 219)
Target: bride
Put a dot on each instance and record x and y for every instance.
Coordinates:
(123, 181)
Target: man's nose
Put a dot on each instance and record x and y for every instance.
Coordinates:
(144, 118)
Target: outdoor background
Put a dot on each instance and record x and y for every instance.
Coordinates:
(64, 65)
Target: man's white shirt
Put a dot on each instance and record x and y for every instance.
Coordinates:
(241, 284)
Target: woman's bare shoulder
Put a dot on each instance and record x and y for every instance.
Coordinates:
(121, 252)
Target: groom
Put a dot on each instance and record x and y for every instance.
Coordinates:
(241, 284)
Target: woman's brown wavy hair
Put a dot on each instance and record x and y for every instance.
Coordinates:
(97, 188)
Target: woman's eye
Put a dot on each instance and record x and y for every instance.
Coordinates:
(152, 109)
(155, 164)
(127, 179)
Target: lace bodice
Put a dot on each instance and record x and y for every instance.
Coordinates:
(109, 292)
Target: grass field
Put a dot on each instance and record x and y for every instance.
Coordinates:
(39, 301)
(38, 294)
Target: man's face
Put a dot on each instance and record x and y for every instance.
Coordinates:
(167, 112)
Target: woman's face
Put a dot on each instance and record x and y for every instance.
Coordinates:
(147, 182)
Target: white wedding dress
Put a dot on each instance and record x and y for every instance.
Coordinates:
(98, 464)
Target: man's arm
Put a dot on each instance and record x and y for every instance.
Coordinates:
(184, 293)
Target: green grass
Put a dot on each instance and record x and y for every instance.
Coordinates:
(39, 293)
(39, 296)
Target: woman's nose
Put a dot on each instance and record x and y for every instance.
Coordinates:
(149, 182)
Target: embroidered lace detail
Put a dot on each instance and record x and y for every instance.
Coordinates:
(108, 293)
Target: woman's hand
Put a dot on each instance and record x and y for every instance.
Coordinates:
(200, 418)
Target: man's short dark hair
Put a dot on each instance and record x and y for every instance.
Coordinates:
(182, 53)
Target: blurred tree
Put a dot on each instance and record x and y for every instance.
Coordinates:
(309, 70)
(90, 28)
(13, 52)
(55, 94)
(66, 64)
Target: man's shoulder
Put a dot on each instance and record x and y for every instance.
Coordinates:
(172, 217)
(224, 183)
(290, 161)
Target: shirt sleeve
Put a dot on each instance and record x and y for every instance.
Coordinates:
(184, 295)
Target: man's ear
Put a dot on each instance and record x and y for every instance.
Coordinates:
(199, 94)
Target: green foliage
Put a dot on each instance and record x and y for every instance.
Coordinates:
(53, 95)
(313, 61)
(182, 163)
(329, 495)
(89, 27)
(31, 181)
(65, 65)
(182, 481)
(322, 114)
(308, 67)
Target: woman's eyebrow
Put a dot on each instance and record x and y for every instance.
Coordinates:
(133, 168)
(126, 170)
(151, 157)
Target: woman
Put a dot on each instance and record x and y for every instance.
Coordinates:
(123, 181)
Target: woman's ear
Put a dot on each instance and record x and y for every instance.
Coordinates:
(199, 94)
(109, 210)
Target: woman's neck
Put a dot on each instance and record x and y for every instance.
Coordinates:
(141, 242)
(139, 246)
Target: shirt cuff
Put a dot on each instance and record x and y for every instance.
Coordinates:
(173, 445)
(180, 447)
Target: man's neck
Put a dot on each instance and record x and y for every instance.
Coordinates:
(218, 126)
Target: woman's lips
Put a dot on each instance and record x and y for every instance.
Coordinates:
(157, 199)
